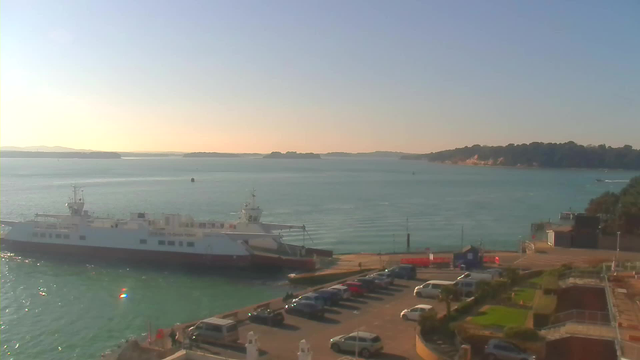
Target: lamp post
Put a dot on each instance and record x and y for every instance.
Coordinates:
(618, 247)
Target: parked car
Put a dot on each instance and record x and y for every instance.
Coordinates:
(486, 276)
(306, 309)
(504, 350)
(366, 344)
(356, 288)
(267, 317)
(384, 275)
(312, 297)
(383, 282)
(498, 273)
(415, 312)
(404, 271)
(343, 290)
(214, 330)
(331, 298)
(369, 283)
(467, 288)
(431, 289)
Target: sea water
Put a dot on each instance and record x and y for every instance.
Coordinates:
(54, 308)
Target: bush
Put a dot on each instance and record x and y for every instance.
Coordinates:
(512, 275)
(550, 284)
(428, 322)
(521, 333)
(465, 307)
(546, 304)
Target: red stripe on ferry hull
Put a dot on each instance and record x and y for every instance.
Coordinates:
(164, 257)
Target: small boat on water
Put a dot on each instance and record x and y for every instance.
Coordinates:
(170, 239)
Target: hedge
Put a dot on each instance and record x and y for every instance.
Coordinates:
(521, 333)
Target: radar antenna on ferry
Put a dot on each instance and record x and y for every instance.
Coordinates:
(76, 203)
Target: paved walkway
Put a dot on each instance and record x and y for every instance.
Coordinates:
(578, 329)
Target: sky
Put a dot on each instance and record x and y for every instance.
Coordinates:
(319, 76)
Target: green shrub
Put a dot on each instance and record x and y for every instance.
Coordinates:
(546, 304)
(550, 284)
(521, 333)
(428, 322)
(465, 307)
(512, 275)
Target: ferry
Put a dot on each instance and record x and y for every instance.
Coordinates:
(170, 239)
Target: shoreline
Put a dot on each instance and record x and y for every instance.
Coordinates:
(523, 167)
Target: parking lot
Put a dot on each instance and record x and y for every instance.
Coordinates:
(377, 313)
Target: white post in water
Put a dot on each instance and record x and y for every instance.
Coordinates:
(252, 346)
(304, 352)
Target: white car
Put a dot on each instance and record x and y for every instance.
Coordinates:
(431, 288)
(486, 276)
(344, 291)
(415, 312)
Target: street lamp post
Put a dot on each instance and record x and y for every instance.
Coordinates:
(618, 247)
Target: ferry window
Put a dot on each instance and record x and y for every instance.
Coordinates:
(180, 243)
(58, 236)
(190, 244)
(82, 237)
(43, 234)
(50, 235)
(161, 242)
(65, 236)
(171, 243)
(143, 241)
(202, 225)
(35, 234)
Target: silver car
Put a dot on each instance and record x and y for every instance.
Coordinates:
(503, 350)
(383, 275)
(383, 282)
(364, 343)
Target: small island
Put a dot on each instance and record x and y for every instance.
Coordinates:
(59, 155)
(210, 155)
(291, 155)
(368, 155)
(537, 154)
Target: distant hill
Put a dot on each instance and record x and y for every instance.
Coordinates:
(149, 154)
(537, 154)
(373, 154)
(291, 155)
(210, 155)
(42, 148)
(59, 155)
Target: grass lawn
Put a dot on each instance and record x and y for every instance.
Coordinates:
(526, 295)
(537, 280)
(501, 316)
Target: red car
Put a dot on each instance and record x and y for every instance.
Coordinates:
(356, 288)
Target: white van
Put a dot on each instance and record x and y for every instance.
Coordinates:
(467, 287)
(486, 276)
(431, 288)
(215, 330)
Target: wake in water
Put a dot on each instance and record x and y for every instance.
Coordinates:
(612, 181)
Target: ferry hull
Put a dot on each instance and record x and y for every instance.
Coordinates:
(159, 257)
(131, 255)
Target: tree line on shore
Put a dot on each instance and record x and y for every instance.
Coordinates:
(538, 154)
(618, 211)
